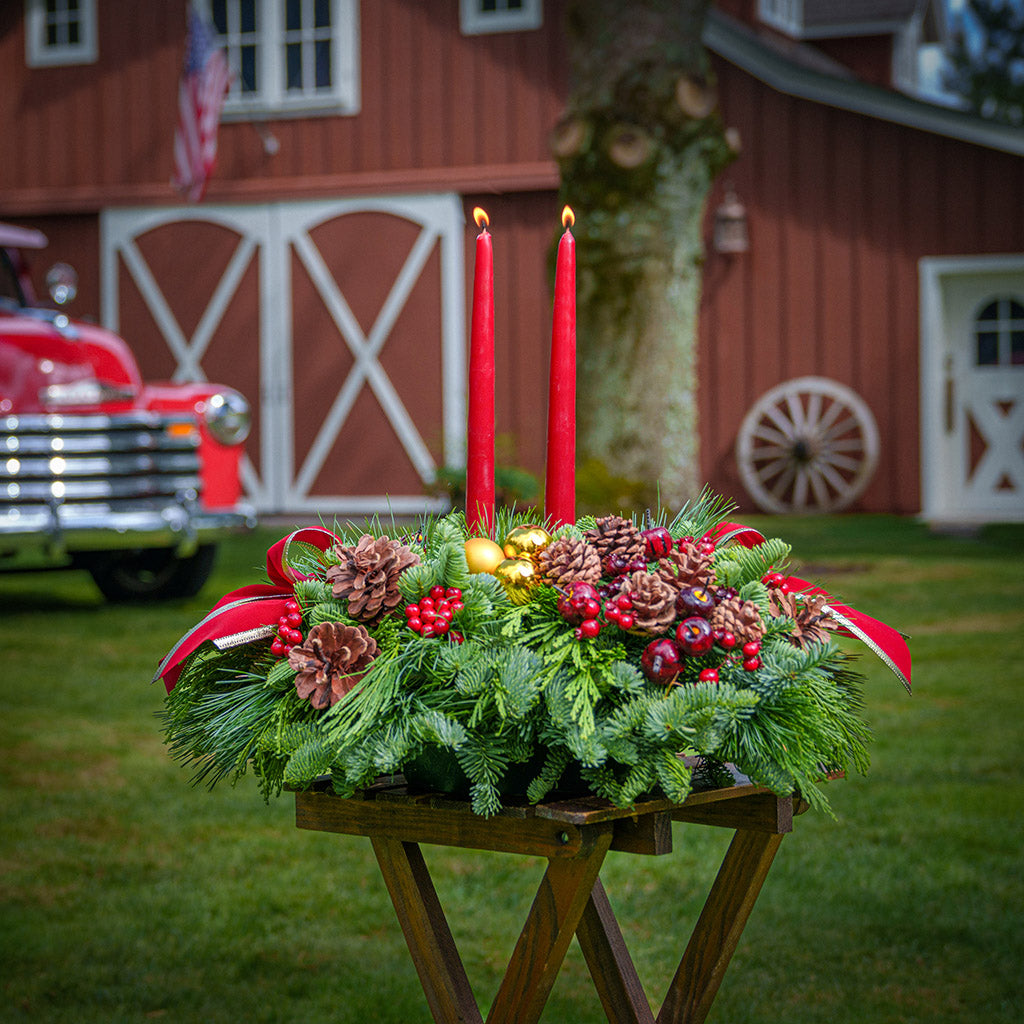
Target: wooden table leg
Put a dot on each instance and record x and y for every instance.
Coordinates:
(718, 930)
(426, 932)
(611, 967)
(563, 894)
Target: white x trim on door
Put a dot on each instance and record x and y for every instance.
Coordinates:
(271, 233)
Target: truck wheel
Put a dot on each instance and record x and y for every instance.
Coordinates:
(153, 574)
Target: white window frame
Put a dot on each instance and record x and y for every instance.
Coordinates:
(38, 54)
(475, 21)
(271, 97)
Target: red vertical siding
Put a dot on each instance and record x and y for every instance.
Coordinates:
(841, 209)
(435, 105)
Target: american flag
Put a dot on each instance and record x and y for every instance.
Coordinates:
(204, 82)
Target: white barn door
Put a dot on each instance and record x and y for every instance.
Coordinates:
(972, 388)
(329, 306)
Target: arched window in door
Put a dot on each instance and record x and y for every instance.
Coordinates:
(999, 333)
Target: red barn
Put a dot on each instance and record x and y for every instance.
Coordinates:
(326, 272)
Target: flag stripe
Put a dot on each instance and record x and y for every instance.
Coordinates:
(204, 84)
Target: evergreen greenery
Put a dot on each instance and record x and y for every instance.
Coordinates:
(521, 693)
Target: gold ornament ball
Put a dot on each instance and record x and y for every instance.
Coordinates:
(518, 576)
(526, 541)
(482, 554)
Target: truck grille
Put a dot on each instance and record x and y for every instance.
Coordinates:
(80, 463)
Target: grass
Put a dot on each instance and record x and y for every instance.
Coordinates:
(127, 895)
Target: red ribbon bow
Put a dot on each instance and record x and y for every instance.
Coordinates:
(887, 643)
(249, 613)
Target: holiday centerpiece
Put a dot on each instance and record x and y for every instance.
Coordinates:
(498, 654)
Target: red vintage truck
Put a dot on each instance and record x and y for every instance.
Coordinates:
(134, 482)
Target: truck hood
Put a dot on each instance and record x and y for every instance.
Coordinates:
(43, 349)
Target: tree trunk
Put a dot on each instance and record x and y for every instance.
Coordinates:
(638, 149)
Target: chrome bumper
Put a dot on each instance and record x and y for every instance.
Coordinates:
(61, 530)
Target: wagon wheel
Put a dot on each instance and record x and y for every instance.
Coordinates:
(807, 445)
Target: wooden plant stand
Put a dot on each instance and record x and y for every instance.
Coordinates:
(574, 835)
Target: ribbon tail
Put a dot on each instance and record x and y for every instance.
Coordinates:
(853, 627)
(228, 613)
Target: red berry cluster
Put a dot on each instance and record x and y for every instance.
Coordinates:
(580, 605)
(702, 545)
(432, 615)
(288, 633)
(775, 580)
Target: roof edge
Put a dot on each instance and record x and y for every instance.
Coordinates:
(737, 44)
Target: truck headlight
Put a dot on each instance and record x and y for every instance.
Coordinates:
(228, 416)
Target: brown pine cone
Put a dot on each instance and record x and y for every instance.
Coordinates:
(618, 541)
(688, 568)
(368, 575)
(812, 620)
(654, 602)
(330, 661)
(567, 560)
(741, 618)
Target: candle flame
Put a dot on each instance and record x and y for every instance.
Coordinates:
(480, 216)
(568, 217)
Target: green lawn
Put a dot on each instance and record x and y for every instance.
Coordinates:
(126, 895)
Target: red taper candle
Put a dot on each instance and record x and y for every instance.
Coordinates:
(480, 425)
(560, 484)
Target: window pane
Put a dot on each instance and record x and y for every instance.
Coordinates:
(247, 15)
(1017, 348)
(990, 312)
(293, 72)
(219, 11)
(51, 6)
(247, 68)
(72, 5)
(323, 64)
(988, 348)
(1016, 310)
(293, 15)
(489, 5)
(73, 33)
(322, 14)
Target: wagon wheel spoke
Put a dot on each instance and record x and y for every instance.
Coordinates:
(765, 433)
(772, 469)
(785, 479)
(784, 423)
(835, 479)
(809, 444)
(817, 477)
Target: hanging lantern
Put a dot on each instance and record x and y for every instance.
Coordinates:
(730, 234)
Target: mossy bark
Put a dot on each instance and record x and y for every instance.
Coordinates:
(638, 148)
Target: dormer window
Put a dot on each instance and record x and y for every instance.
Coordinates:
(478, 17)
(289, 57)
(60, 32)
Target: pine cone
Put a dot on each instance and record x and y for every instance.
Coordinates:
(567, 560)
(619, 543)
(368, 576)
(330, 661)
(811, 619)
(687, 568)
(741, 618)
(654, 602)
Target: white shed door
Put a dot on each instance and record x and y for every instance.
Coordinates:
(973, 389)
(352, 316)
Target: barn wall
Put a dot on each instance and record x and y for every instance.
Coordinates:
(439, 111)
(841, 207)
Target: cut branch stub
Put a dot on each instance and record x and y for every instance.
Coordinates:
(570, 137)
(696, 96)
(629, 147)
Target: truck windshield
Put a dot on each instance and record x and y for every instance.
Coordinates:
(9, 287)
